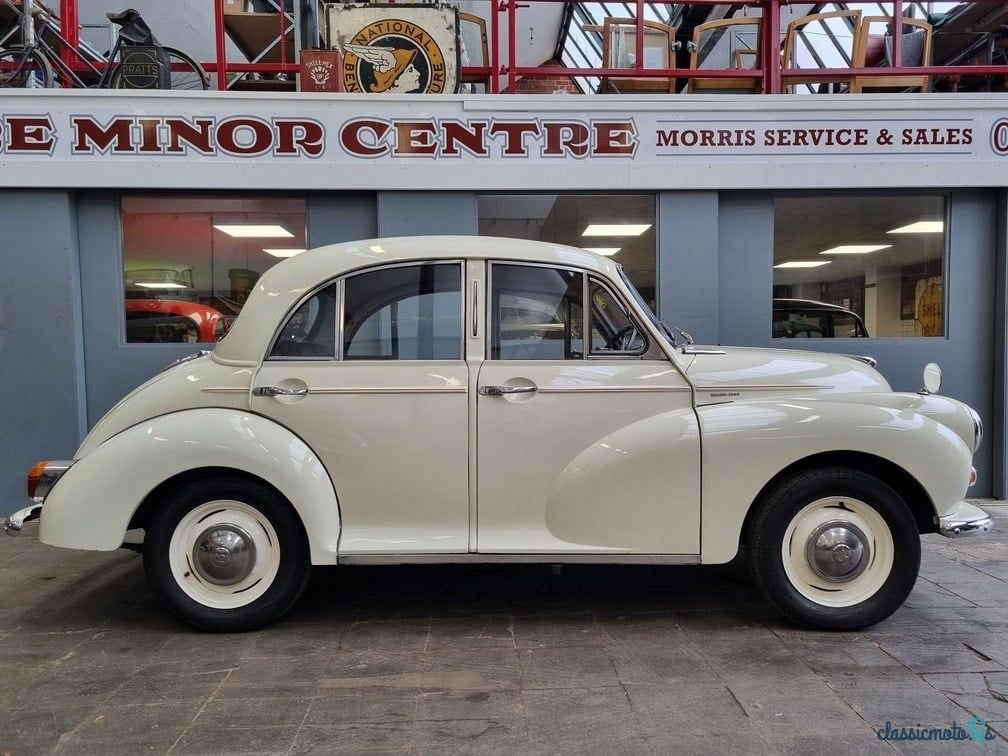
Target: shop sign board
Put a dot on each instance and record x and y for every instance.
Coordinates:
(283, 141)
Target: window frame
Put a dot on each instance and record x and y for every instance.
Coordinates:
(586, 277)
(643, 350)
(340, 319)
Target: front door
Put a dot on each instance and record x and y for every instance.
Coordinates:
(369, 372)
(584, 444)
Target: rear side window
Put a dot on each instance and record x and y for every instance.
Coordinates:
(310, 333)
(410, 312)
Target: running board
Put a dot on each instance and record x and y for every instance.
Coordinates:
(518, 559)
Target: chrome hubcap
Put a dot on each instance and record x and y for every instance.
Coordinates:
(838, 551)
(224, 555)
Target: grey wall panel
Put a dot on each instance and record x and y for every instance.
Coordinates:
(688, 262)
(966, 354)
(426, 213)
(41, 414)
(340, 217)
(745, 267)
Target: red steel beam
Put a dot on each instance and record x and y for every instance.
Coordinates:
(897, 42)
(512, 8)
(70, 28)
(220, 65)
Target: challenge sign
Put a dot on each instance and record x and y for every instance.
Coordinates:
(220, 140)
(396, 49)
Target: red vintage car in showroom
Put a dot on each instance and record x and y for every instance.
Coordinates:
(162, 306)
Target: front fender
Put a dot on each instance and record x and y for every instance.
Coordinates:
(90, 507)
(747, 443)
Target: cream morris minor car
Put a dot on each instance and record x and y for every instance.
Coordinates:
(455, 399)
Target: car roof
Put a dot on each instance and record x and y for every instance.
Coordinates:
(287, 282)
(810, 304)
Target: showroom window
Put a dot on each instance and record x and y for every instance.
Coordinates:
(846, 266)
(190, 262)
(409, 312)
(620, 226)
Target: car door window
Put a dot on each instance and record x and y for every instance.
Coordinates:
(536, 313)
(613, 331)
(409, 312)
(310, 333)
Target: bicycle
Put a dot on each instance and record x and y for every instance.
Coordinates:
(35, 64)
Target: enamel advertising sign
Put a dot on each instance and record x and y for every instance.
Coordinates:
(396, 49)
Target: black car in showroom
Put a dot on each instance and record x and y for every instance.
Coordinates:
(808, 319)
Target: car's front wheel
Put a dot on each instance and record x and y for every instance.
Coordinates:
(226, 554)
(835, 549)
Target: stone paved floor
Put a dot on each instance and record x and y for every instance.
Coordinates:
(461, 659)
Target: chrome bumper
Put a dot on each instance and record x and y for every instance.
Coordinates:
(14, 523)
(965, 520)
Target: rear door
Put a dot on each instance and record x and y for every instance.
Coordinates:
(369, 372)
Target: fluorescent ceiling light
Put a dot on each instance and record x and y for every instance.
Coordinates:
(160, 285)
(920, 227)
(854, 249)
(616, 229)
(252, 231)
(803, 264)
(282, 252)
(607, 251)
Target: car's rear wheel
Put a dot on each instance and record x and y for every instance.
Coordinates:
(226, 554)
(836, 549)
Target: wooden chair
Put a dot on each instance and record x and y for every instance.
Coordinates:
(619, 50)
(473, 35)
(744, 56)
(861, 55)
(789, 57)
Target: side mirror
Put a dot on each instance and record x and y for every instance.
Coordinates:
(932, 379)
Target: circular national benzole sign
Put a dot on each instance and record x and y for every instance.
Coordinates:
(393, 56)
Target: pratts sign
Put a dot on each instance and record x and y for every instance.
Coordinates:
(222, 141)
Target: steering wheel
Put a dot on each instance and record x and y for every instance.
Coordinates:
(625, 337)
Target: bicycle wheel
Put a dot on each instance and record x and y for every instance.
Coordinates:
(186, 73)
(24, 68)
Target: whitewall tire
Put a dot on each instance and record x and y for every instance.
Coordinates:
(835, 549)
(226, 554)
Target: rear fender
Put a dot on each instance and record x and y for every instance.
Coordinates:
(90, 507)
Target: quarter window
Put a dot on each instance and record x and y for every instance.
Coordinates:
(612, 329)
(536, 313)
(412, 312)
(310, 333)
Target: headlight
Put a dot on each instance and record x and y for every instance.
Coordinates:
(977, 429)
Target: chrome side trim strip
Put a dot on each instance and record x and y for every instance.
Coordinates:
(391, 390)
(611, 389)
(767, 387)
(224, 390)
(518, 559)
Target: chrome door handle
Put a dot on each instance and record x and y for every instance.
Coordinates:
(505, 390)
(278, 391)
